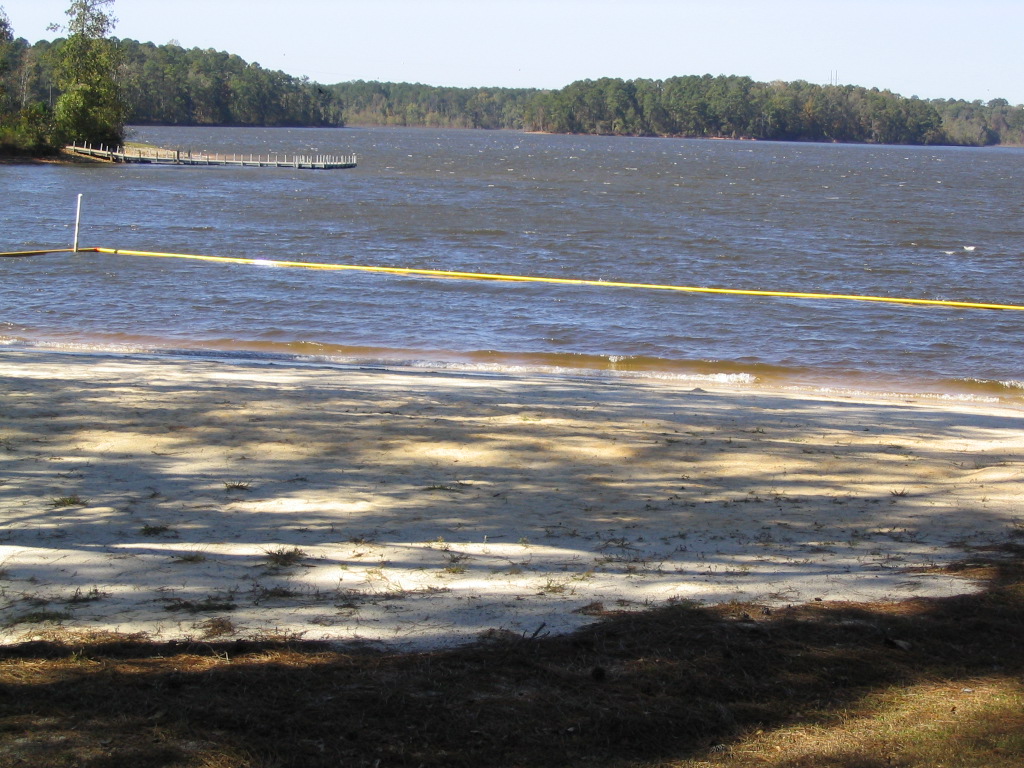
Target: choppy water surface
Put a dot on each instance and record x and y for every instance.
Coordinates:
(890, 221)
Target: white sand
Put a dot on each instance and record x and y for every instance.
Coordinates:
(431, 507)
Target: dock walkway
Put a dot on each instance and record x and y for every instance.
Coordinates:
(179, 157)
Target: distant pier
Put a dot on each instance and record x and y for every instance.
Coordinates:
(155, 156)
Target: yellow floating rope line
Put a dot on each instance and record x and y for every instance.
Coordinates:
(529, 279)
(561, 280)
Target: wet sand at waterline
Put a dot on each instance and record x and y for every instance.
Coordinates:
(196, 498)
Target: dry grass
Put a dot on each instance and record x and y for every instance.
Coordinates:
(283, 557)
(920, 683)
(964, 722)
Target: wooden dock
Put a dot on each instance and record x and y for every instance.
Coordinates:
(178, 157)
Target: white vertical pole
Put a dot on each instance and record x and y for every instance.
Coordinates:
(78, 221)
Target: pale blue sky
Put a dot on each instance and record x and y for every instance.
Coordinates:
(969, 49)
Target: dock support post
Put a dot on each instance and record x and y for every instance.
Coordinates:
(78, 221)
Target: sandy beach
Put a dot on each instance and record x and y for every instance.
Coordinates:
(194, 498)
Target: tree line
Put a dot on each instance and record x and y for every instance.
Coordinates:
(738, 107)
(88, 85)
(691, 107)
(156, 85)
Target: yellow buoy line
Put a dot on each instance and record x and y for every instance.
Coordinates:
(456, 275)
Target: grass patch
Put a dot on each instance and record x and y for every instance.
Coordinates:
(916, 684)
(40, 616)
(154, 530)
(190, 557)
(271, 593)
(62, 502)
(446, 487)
(205, 605)
(284, 558)
(91, 596)
(237, 485)
(220, 626)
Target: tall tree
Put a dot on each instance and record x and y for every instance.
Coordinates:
(6, 45)
(90, 107)
(6, 36)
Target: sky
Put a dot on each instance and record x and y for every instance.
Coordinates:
(961, 49)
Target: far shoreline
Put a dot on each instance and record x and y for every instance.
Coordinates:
(63, 157)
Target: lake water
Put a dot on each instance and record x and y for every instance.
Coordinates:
(922, 222)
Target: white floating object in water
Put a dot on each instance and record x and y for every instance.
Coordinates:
(968, 247)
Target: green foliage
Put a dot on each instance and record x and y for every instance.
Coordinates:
(26, 119)
(89, 85)
(737, 107)
(90, 107)
(413, 104)
(6, 57)
(169, 85)
(977, 124)
(27, 131)
(6, 36)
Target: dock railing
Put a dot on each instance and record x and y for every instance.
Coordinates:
(154, 155)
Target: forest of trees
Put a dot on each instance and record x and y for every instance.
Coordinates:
(172, 85)
(85, 98)
(167, 85)
(738, 107)
(373, 103)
